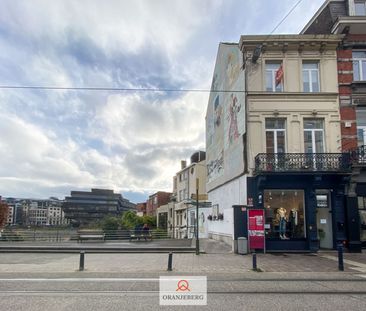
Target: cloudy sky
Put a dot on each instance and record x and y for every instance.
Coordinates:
(54, 141)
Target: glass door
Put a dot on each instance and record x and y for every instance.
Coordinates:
(324, 219)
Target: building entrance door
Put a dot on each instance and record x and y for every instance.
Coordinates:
(324, 219)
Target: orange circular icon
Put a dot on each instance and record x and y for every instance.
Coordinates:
(183, 286)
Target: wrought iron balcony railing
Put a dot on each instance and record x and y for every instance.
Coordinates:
(302, 162)
(358, 156)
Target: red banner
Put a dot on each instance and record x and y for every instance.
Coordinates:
(256, 234)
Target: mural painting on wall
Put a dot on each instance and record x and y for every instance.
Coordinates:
(225, 114)
(234, 109)
(232, 68)
(215, 167)
(218, 111)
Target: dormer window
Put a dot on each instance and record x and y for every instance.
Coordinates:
(360, 7)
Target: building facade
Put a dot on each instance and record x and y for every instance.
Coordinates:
(85, 207)
(274, 141)
(155, 201)
(297, 172)
(185, 182)
(225, 142)
(141, 208)
(43, 212)
(16, 211)
(348, 17)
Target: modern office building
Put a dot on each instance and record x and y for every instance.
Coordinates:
(85, 207)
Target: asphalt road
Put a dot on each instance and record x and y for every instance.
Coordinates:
(95, 293)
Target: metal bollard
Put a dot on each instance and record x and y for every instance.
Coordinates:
(254, 261)
(81, 263)
(340, 257)
(170, 261)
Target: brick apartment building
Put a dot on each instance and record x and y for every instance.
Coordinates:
(156, 200)
(348, 18)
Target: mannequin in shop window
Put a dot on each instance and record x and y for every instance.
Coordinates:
(293, 221)
(281, 214)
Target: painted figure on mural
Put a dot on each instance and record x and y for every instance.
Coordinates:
(233, 115)
(233, 68)
(218, 111)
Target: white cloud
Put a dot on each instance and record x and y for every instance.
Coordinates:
(134, 120)
(55, 141)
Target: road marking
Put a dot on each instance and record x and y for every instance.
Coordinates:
(81, 279)
(111, 292)
(157, 279)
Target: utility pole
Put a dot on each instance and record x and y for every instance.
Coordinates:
(197, 227)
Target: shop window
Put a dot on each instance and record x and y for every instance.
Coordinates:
(284, 212)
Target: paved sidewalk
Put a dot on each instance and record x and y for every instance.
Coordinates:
(217, 259)
(227, 263)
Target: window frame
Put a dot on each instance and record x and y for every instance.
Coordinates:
(359, 60)
(357, 3)
(309, 74)
(275, 132)
(268, 193)
(273, 75)
(313, 131)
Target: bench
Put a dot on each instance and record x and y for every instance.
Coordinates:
(140, 235)
(91, 236)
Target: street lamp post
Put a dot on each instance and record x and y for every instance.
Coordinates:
(197, 237)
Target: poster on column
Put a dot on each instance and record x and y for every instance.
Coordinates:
(256, 233)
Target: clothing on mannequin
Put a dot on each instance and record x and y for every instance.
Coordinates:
(281, 213)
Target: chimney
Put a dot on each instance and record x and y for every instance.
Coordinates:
(183, 164)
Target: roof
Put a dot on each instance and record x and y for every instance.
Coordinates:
(316, 15)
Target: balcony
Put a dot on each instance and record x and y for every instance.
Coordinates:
(358, 156)
(302, 163)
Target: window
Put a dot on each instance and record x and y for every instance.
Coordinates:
(359, 66)
(361, 126)
(360, 7)
(275, 135)
(284, 212)
(192, 218)
(310, 76)
(272, 69)
(362, 211)
(313, 136)
(185, 194)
